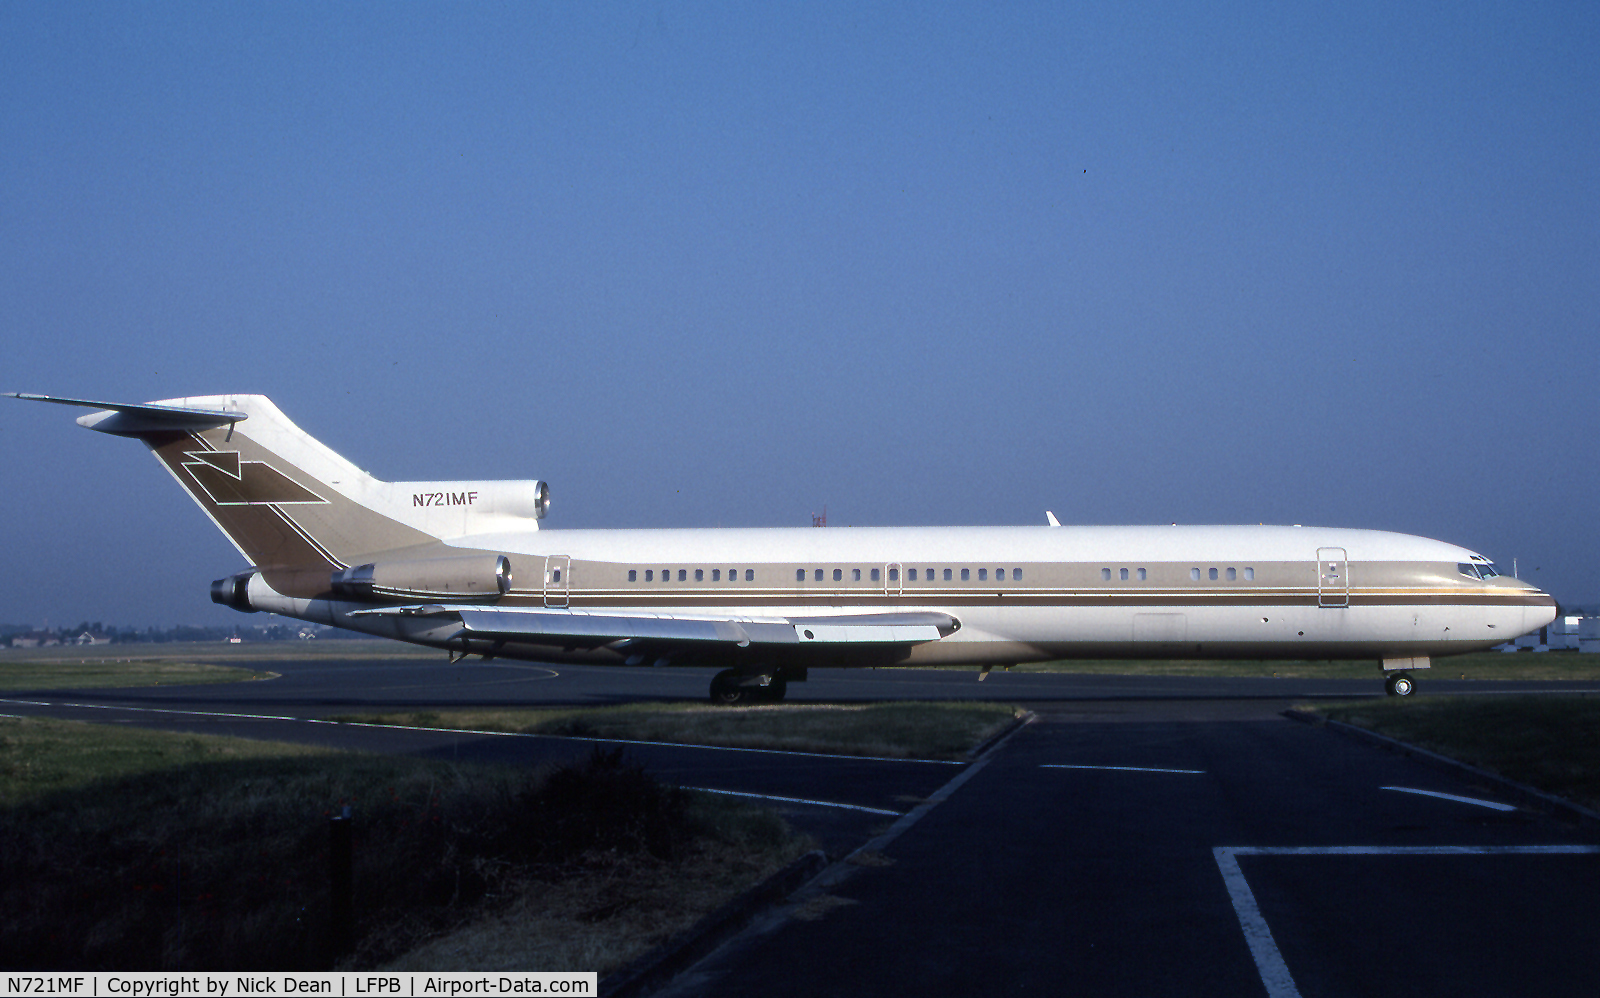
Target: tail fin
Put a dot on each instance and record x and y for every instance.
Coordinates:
(294, 508)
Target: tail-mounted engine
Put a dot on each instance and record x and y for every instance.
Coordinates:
(234, 591)
(474, 577)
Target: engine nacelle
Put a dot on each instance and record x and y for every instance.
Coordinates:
(234, 591)
(474, 576)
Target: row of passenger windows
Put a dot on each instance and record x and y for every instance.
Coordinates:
(928, 574)
(818, 574)
(699, 575)
(1232, 574)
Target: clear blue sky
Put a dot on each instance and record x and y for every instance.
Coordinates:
(702, 264)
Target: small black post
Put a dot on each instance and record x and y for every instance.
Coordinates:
(341, 884)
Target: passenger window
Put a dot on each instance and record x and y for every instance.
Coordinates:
(1016, 573)
(799, 575)
(1141, 575)
(966, 574)
(666, 575)
(1122, 573)
(1249, 574)
(1105, 575)
(947, 575)
(649, 575)
(983, 575)
(894, 575)
(838, 575)
(556, 576)
(1213, 575)
(1194, 573)
(633, 575)
(749, 575)
(911, 575)
(1232, 574)
(875, 575)
(818, 576)
(683, 575)
(855, 575)
(716, 575)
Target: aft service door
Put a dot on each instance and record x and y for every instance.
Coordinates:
(1333, 577)
(557, 579)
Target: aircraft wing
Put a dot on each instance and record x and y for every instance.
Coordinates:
(585, 628)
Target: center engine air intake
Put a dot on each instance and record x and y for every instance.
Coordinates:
(475, 576)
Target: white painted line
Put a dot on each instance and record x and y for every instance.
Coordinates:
(1122, 769)
(497, 734)
(1269, 961)
(795, 800)
(1496, 805)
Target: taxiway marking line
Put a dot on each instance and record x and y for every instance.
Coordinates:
(1122, 769)
(795, 800)
(1496, 805)
(1269, 961)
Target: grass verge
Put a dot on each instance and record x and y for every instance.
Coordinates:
(888, 730)
(109, 673)
(1548, 742)
(1545, 666)
(140, 850)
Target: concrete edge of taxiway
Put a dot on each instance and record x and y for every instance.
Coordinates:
(1528, 798)
(661, 964)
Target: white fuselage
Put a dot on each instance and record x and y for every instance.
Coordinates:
(1022, 593)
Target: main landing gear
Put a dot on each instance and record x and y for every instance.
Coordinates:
(730, 687)
(1399, 684)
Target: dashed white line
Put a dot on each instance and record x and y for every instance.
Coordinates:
(1495, 805)
(1123, 769)
(795, 800)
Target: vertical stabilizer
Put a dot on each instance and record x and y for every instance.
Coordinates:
(298, 511)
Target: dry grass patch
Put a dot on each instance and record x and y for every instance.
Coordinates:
(141, 850)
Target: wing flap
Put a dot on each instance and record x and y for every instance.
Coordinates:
(583, 627)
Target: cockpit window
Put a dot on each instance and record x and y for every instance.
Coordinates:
(1470, 571)
(1487, 569)
(1479, 570)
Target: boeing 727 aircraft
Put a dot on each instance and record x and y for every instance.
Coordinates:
(464, 566)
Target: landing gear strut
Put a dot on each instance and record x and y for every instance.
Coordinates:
(731, 687)
(1399, 684)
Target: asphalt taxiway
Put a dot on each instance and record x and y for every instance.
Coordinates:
(1144, 835)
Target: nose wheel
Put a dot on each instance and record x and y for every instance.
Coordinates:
(1400, 685)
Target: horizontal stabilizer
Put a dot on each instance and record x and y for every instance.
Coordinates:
(130, 419)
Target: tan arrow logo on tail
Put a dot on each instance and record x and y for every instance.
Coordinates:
(230, 481)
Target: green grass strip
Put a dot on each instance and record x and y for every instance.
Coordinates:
(1548, 742)
(910, 730)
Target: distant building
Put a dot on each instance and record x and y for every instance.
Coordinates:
(1567, 633)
